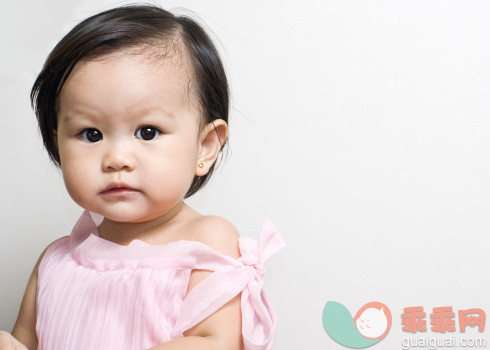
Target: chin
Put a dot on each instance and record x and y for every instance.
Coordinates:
(122, 215)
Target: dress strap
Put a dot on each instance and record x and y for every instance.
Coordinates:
(259, 321)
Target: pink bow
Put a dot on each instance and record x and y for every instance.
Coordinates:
(259, 320)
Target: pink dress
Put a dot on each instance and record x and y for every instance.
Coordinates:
(96, 294)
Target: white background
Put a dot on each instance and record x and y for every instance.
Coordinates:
(360, 128)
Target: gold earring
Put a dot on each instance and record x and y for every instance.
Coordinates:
(201, 165)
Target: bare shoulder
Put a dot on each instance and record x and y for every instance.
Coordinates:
(216, 232)
(225, 324)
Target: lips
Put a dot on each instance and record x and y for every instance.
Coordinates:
(118, 187)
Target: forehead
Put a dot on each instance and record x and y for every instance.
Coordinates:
(124, 80)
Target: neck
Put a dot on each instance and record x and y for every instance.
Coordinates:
(124, 232)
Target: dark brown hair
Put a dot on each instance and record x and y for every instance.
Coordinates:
(124, 27)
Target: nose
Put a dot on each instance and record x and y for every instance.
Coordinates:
(118, 157)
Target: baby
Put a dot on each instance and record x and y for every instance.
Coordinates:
(133, 107)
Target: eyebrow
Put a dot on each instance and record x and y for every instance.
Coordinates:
(73, 116)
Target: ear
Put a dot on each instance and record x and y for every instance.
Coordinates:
(212, 136)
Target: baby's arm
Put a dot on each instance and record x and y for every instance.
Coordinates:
(223, 329)
(25, 326)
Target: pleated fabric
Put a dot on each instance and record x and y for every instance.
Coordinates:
(96, 294)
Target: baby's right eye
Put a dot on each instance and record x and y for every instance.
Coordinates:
(91, 135)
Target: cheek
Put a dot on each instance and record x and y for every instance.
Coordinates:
(188, 164)
(76, 174)
(174, 170)
(170, 174)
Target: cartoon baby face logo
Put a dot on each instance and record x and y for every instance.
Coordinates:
(373, 320)
(371, 324)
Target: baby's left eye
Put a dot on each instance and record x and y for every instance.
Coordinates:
(147, 133)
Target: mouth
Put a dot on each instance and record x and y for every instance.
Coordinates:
(117, 189)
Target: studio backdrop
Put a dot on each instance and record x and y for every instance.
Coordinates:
(360, 128)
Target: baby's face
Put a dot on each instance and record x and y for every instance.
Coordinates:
(139, 129)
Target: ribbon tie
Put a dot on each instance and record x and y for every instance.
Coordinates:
(259, 320)
(250, 256)
(254, 254)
